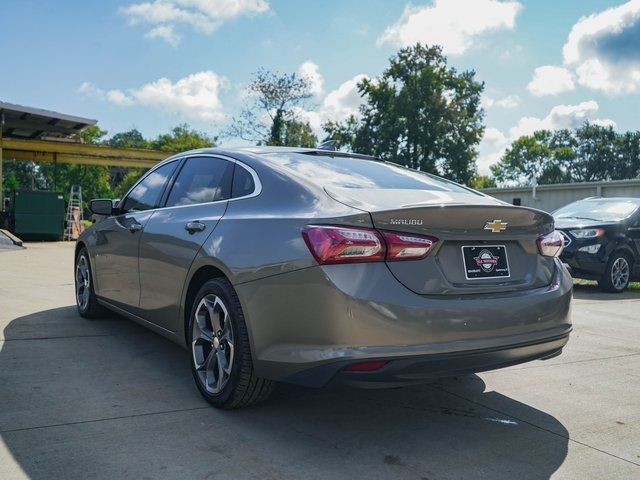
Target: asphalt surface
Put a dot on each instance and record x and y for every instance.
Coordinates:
(108, 399)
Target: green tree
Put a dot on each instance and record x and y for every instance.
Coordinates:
(274, 100)
(19, 174)
(420, 113)
(529, 159)
(182, 138)
(595, 151)
(481, 181)
(299, 134)
(588, 153)
(343, 132)
(129, 139)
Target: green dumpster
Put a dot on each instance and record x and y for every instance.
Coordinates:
(37, 214)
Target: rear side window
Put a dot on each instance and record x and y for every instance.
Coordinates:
(146, 194)
(243, 183)
(201, 180)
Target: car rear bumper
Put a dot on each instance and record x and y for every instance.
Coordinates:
(306, 326)
(427, 368)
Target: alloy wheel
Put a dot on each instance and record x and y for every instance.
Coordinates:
(212, 343)
(83, 282)
(620, 273)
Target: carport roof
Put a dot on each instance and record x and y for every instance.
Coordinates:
(28, 122)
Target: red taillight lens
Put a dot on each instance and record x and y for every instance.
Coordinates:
(406, 246)
(365, 366)
(332, 244)
(551, 245)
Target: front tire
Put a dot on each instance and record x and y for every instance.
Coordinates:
(220, 353)
(617, 274)
(86, 301)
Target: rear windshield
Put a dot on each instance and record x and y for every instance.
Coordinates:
(349, 172)
(601, 210)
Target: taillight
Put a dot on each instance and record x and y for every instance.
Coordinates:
(405, 246)
(551, 244)
(333, 244)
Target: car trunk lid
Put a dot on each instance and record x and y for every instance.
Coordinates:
(498, 240)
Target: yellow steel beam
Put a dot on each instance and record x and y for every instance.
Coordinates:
(32, 156)
(138, 156)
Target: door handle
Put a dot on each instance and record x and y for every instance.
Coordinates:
(193, 227)
(135, 227)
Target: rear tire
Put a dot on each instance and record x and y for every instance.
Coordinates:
(218, 339)
(617, 274)
(86, 301)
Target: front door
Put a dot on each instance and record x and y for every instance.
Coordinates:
(118, 237)
(175, 233)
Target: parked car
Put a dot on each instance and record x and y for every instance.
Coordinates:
(322, 268)
(602, 240)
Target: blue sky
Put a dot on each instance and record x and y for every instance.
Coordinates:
(154, 64)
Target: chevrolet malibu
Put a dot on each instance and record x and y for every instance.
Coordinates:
(322, 268)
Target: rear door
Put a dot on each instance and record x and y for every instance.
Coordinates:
(175, 233)
(116, 251)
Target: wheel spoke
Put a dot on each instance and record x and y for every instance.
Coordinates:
(221, 370)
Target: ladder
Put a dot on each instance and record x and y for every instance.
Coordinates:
(74, 214)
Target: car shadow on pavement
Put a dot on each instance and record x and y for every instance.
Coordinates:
(109, 399)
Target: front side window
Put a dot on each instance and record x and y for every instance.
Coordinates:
(146, 194)
(201, 180)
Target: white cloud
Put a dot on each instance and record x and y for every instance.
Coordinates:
(604, 51)
(165, 32)
(119, 98)
(454, 24)
(204, 16)
(510, 101)
(311, 72)
(344, 100)
(560, 116)
(195, 96)
(550, 80)
(490, 149)
(337, 105)
(495, 142)
(90, 90)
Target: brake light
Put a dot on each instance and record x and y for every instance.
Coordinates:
(551, 244)
(332, 244)
(405, 246)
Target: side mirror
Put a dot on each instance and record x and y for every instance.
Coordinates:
(101, 207)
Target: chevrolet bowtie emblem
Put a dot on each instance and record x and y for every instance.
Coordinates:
(496, 226)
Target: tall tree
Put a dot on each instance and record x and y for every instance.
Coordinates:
(589, 153)
(182, 138)
(271, 117)
(129, 139)
(420, 113)
(530, 159)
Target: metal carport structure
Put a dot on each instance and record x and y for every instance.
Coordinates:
(33, 134)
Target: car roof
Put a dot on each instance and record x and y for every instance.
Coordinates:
(610, 199)
(257, 151)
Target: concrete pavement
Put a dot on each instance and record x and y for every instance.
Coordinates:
(108, 399)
